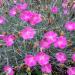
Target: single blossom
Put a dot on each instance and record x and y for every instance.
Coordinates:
(61, 57)
(2, 20)
(36, 18)
(54, 9)
(44, 44)
(42, 58)
(17, 8)
(50, 36)
(1, 36)
(65, 11)
(70, 26)
(73, 57)
(27, 33)
(71, 71)
(73, 7)
(61, 42)
(12, 12)
(21, 6)
(8, 70)
(30, 60)
(46, 68)
(26, 15)
(64, 5)
(9, 40)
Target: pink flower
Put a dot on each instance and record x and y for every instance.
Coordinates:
(44, 44)
(65, 11)
(64, 5)
(71, 71)
(46, 68)
(15, 1)
(1, 3)
(73, 7)
(9, 40)
(70, 26)
(8, 70)
(2, 20)
(54, 9)
(30, 60)
(61, 42)
(73, 57)
(1, 36)
(51, 36)
(36, 18)
(61, 57)
(21, 7)
(12, 12)
(42, 58)
(27, 33)
(26, 15)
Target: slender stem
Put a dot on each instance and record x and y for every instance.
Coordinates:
(29, 73)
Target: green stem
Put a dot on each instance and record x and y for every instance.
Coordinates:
(29, 73)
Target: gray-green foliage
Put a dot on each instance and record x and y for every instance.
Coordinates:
(9, 55)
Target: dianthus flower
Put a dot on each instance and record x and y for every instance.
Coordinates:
(54, 9)
(8, 70)
(36, 18)
(26, 15)
(50, 36)
(29, 60)
(27, 33)
(12, 12)
(61, 57)
(2, 20)
(1, 36)
(42, 58)
(46, 68)
(21, 6)
(71, 71)
(70, 26)
(44, 44)
(73, 57)
(61, 42)
(1, 3)
(9, 40)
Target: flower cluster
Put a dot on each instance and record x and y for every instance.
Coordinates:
(52, 37)
(41, 58)
(31, 17)
(17, 8)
